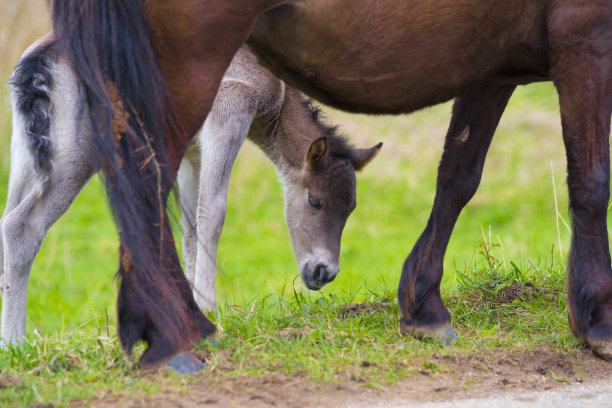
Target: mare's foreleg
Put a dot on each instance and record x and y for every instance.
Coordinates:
(584, 83)
(475, 118)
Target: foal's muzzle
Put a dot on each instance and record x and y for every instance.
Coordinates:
(318, 277)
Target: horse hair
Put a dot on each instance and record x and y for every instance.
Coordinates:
(337, 142)
(126, 94)
(32, 85)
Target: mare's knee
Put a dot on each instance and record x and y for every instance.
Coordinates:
(461, 185)
(589, 193)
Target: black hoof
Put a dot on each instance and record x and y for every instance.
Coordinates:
(443, 334)
(186, 363)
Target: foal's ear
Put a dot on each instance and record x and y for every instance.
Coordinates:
(316, 151)
(361, 157)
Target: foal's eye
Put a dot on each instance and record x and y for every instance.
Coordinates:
(314, 202)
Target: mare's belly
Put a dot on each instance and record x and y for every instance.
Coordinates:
(391, 56)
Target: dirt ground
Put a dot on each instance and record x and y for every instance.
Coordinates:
(456, 378)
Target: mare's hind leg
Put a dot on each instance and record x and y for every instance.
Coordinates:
(584, 82)
(475, 118)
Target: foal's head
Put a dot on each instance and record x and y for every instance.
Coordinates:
(320, 195)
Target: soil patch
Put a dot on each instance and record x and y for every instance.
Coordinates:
(434, 379)
(354, 309)
(524, 292)
(7, 381)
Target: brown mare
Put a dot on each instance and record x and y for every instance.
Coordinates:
(373, 56)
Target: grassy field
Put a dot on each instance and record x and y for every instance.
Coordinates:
(508, 231)
(72, 277)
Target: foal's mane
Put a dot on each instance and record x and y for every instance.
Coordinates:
(337, 142)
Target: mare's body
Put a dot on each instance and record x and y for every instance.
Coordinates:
(392, 56)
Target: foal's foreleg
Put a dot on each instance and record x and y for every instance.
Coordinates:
(475, 118)
(188, 177)
(222, 136)
(584, 83)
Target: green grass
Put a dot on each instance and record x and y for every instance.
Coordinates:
(270, 322)
(73, 273)
(326, 342)
(294, 333)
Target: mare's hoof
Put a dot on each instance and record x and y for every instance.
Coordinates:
(448, 336)
(186, 363)
(600, 341)
(601, 348)
(443, 334)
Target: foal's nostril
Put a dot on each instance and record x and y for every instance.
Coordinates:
(320, 273)
(329, 277)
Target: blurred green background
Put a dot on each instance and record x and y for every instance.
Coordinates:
(72, 279)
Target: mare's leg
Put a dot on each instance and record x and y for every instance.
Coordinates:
(475, 118)
(197, 42)
(222, 136)
(192, 43)
(583, 77)
(188, 176)
(33, 207)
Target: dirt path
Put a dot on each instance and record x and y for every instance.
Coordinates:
(595, 395)
(498, 379)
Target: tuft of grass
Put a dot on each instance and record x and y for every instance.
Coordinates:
(66, 366)
(512, 306)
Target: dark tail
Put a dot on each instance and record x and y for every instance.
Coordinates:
(108, 46)
(31, 85)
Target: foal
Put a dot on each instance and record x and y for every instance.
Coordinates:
(316, 165)
(50, 165)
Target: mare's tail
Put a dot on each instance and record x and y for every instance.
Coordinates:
(108, 46)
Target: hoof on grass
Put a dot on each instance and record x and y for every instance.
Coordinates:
(443, 334)
(186, 363)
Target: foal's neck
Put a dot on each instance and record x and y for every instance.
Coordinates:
(286, 135)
